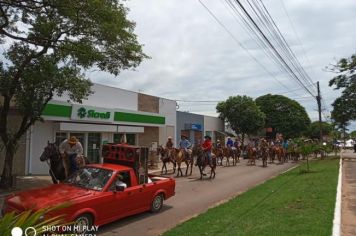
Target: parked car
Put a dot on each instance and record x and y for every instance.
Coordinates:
(97, 195)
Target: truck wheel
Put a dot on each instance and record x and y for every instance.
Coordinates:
(82, 223)
(157, 203)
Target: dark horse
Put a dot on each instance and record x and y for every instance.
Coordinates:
(202, 161)
(166, 157)
(56, 168)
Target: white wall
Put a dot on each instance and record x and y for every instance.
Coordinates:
(41, 134)
(213, 124)
(168, 108)
(108, 97)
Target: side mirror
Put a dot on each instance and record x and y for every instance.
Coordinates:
(119, 188)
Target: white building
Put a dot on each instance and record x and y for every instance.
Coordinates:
(104, 117)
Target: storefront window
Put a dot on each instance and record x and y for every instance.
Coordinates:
(130, 138)
(60, 137)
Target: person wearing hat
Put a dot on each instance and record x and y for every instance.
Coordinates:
(120, 181)
(229, 143)
(69, 150)
(207, 146)
(184, 143)
(169, 143)
(218, 144)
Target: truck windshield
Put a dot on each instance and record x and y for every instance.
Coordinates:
(90, 178)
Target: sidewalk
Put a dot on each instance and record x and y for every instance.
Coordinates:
(348, 205)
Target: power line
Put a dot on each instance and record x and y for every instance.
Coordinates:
(239, 43)
(273, 48)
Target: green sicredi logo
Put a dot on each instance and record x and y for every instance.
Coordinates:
(82, 113)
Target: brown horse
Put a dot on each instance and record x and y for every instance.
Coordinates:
(264, 152)
(251, 155)
(271, 153)
(219, 153)
(280, 154)
(180, 156)
(202, 161)
(166, 157)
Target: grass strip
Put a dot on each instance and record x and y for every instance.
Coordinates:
(294, 203)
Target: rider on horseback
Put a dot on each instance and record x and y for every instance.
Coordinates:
(69, 150)
(185, 145)
(229, 143)
(207, 146)
(169, 143)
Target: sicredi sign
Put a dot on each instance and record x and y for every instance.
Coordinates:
(88, 113)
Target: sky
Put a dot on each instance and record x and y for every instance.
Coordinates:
(193, 58)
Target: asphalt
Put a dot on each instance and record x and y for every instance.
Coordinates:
(348, 200)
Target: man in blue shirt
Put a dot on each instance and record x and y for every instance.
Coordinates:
(184, 143)
(229, 143)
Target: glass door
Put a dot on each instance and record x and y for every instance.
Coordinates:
(93, 151)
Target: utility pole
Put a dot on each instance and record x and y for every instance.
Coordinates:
(318, 99)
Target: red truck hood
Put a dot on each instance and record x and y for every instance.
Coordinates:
(45, 197)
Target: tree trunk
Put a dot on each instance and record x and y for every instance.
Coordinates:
(6, 176)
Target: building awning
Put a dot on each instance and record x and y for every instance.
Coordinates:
(226, 133)
(78, 127)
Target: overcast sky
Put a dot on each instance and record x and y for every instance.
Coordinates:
(194, 58)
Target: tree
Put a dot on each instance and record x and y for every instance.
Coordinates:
(284, 115)
(314, 129)
(353, 134)
(341, 115)
(346, 80)
(48, 45)
(242, 114)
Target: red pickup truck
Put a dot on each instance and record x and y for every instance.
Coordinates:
(98, 193)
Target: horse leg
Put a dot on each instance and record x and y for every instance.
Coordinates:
(174, 166)
(53, 177)
(162, 168)
(186, 171)
(201, 171)
(191, 166)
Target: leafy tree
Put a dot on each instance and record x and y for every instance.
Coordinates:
(346, 80)
(242, 114)
(353, 134)
(284, 115)
(48, 45)
(341, 115)
(314, 129)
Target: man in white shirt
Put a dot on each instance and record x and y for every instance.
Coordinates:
(69, 150)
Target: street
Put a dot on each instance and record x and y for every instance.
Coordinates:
(194, 196)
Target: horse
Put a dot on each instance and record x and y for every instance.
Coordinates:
(219, 153)
(264, 152)
(271, 154)
(166, 157)
(202, 161)
(180, 156)
(280, 154)
(58, 167)
(251, 155)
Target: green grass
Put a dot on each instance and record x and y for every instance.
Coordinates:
(294, 203)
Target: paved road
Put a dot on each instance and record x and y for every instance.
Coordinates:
(348, 209)
(193, 197)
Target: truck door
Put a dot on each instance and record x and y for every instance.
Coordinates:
(127, 201)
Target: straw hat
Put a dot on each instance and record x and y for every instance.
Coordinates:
(72, 140)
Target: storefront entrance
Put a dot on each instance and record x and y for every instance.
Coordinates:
(93, 150)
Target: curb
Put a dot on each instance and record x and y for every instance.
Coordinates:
(337, 212)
